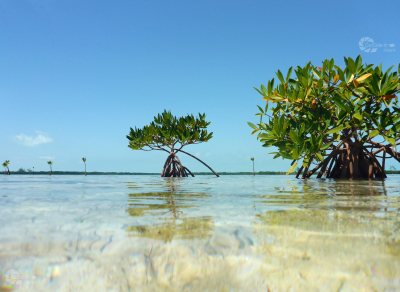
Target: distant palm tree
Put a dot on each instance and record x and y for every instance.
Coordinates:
(252, 160)
(5, 165)
(50, 163)
(84, 161)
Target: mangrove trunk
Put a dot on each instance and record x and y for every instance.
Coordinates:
(174, 168)
(352, 160)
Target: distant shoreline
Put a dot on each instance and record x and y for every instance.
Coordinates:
(136, 173)
(155, 173)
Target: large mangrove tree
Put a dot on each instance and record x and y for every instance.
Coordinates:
(336, 121)
(170, 134)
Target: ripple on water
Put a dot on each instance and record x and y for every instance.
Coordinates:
(231, 233)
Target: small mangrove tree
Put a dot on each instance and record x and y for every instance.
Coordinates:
(50, 163)
(170, 134)
(6, 167)
(84, 162)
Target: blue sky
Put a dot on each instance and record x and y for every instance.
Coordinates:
(75, 75)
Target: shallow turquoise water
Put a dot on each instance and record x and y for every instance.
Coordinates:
(204, 233)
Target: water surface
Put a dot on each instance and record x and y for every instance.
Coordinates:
(233, 233)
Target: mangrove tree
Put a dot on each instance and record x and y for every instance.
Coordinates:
(170, 134)
(333, 121)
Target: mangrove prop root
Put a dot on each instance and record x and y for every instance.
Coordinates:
(350, 161)
(174, 168)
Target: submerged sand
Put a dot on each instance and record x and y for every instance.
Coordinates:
(147, 234)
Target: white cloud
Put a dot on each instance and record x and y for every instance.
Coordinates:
(34, 140)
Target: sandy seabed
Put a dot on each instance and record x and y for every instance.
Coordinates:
(108, 239)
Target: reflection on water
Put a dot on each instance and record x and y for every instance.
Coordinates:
(340, 195)
(167, 207)
(234, 233)
(166, 202)
(142, 203)
(185, 228)
(350, 230)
